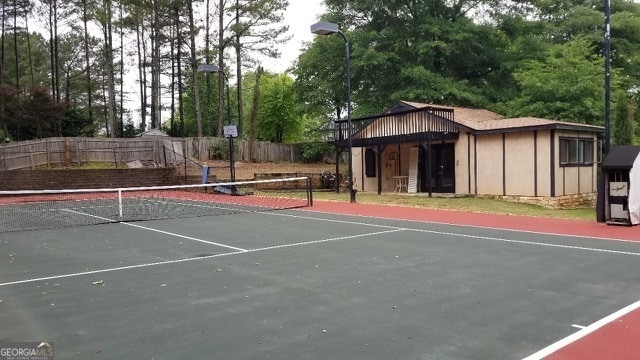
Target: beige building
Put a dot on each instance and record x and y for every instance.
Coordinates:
(432, 149)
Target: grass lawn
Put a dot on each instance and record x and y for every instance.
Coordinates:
(470, 204)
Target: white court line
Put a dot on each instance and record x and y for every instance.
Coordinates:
(184, 237)
(392, 229)
(536, 243)
(159, 231)
(477, 226)
(582, 333)
(333, 220)
(83, 273)
(53, 277)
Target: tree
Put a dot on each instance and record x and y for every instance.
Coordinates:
(320, 77)
(9, 106)
(277, 121)
(194, 65)
(422, 51)
(37, 72)
(39, 113)
(622, 121)
(256, 30)
(565, 85)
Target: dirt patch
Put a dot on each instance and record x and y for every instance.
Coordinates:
(247, 170)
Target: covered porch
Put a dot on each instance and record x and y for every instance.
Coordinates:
(402, 150)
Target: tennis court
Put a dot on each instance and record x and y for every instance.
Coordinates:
(306, 284)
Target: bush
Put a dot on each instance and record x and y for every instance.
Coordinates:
(315, 152)
(220, 151)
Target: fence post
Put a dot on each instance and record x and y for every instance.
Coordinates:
(164, 154)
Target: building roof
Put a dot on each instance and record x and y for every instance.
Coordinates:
(621, 157)
(485, 121)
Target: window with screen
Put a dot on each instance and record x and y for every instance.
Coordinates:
(576, 152)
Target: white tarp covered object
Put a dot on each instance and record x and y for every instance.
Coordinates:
(634, 192)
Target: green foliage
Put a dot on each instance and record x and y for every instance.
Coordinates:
(130, 130)
(277, 120)
(315, 151)
(533, 58)
(622, 121)
(30, 114)
(220, 149)
(38, 62)
(77, 123)
(536, 58)
(636, 122)
(565, 85)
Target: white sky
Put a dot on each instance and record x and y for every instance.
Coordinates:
(299, 16)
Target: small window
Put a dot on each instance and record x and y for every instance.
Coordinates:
(576, 152)
(370, 163)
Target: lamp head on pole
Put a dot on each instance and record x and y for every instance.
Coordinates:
(324, 28)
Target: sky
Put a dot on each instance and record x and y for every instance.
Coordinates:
(299, 16)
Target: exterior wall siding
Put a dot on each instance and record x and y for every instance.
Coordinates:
(464, 164)
(490, 159)
(519, 164)
(543, 163)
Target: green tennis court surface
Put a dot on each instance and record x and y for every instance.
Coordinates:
(292, 284)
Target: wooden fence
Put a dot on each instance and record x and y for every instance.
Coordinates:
(156, 151)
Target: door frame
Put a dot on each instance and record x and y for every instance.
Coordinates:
(435, 162)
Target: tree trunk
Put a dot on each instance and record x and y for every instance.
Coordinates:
(207, 60)
(194, 66)
(253, 116)
(15, 42)
(31, 71)
(221, 46)
(121, 72)
(87, 61)
(51, 51)
(142, 78)
(2, 37)
(108, 46)
(155, 124)
(238, 48)
(56, 52)
(180, 89)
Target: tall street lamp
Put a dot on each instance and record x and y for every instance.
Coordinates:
(327, 28)
(600, 200)
(230, 131)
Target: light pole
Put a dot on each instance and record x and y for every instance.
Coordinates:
(607, 75)
(600, 200)
(327, 28)
(230, 131)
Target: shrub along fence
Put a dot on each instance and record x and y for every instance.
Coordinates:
(151, 150)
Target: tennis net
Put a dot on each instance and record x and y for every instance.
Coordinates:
(45, 209)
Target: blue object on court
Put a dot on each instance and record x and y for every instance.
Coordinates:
(205, 173)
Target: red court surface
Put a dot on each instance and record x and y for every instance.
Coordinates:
(613, 337)
(494, 221)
